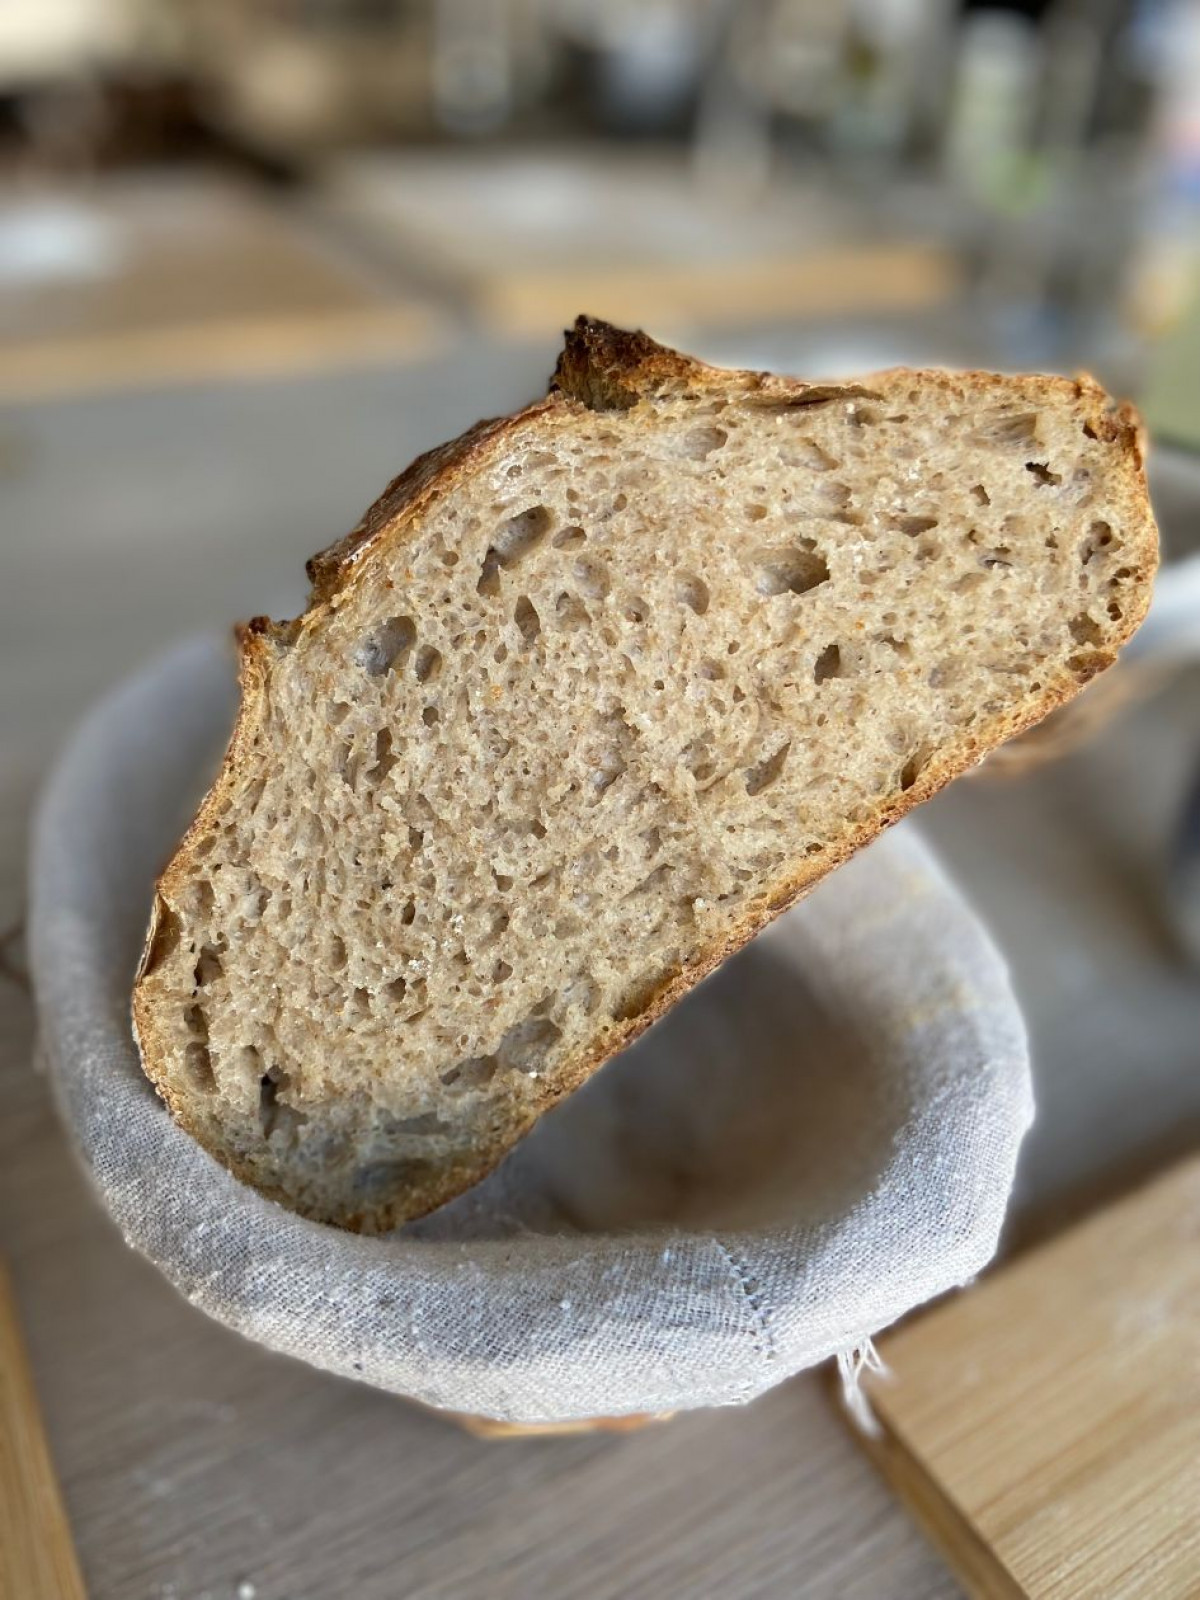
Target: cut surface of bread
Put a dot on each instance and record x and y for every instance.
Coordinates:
(588, 697)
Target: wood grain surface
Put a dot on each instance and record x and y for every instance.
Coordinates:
(196, 1466)
(182, 279)
(37, 1557)
(1046, 1426)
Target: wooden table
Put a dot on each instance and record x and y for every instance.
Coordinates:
(196, 1465)
(157, 279)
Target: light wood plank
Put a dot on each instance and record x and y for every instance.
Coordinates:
(159, 281)
(1045, 1428)
(251, 349)
(37, 1556)
(835, 281)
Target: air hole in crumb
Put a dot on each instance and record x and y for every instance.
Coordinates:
(592, 578)
(503, 882)
(791, 570)
(526, 1044)
(500, 654)
(901, 646)
(698, 443)
(513, 540)
(569, 538)
(1085, 629)
(527, 620)
(338, 712)
(1007, 428)
(381, 1179)
(428, 664)
(431, 716)
(1041, 474)
(912, 769)
(1099, 537)
(996, 558)
(582, 992)
(199, 898)
(1086, 664)
(489, 575)
(860, 416)
(474, 1073)
(606, 773)
(657, 879)
(756, 512)
(409, 914)
(537, 828)
(570, 613)
(197, 1059)
(914, 525)
(420, 1126)
(208, 966)
(449, 558)
(635, 610)
(1114, 611)
(765, 772)
(692, 591)
(396, 989)
(981, 495)
(713, 671)
(337, 953)
(360, 1000)
(390, 643)
(696, 759)
(828, 664)
(385, 760)
(834, 496)
(636, 999)
(807, 453)
(501, 972)
(274, 1114)
(1088, 431)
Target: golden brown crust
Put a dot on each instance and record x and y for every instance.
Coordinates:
(603, 368)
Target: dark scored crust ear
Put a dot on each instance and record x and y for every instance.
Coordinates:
(609, 369)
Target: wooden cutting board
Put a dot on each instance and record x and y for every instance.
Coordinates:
(1045, 1426)
(37, 1556)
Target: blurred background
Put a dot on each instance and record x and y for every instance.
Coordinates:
(238, 233)
(200, 186)
(255, 255)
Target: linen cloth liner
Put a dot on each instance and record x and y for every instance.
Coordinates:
(820, 1138)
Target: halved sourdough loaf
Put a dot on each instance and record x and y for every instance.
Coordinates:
(589, 696)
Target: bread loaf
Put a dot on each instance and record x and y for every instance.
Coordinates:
(588, 697)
